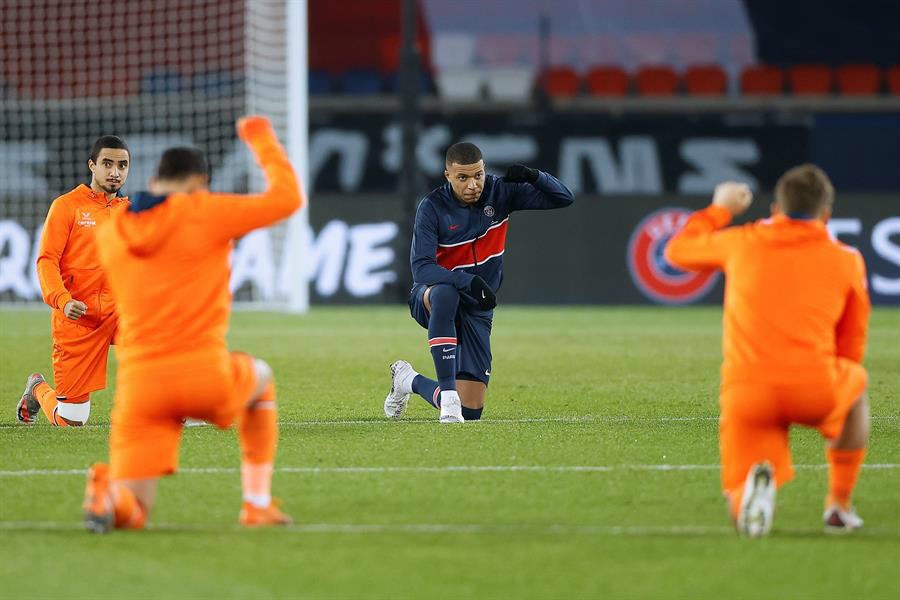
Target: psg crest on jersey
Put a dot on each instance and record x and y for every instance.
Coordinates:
(652, 274)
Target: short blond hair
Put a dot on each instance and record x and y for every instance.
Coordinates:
(805, 189)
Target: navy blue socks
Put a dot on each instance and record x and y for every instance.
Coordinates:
(428, 389)
(444, 301)
(471, 414)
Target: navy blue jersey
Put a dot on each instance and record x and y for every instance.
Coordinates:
(453, 242)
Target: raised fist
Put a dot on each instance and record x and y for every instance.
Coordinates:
(734, 196)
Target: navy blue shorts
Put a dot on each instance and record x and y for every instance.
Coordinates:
(473, 335)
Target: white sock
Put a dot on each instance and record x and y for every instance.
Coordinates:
(258, 500)
(449, 396)
(404, 385)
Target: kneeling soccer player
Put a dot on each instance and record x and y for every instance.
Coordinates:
(457, 266)
(167, 261)
(83, 320)
(795, 323)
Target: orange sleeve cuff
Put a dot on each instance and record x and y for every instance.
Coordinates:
(63, 299)
(719, 215)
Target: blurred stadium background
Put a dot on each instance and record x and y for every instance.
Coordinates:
(596, 466)
(640, 107)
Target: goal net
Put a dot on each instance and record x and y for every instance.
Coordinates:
(159, 74)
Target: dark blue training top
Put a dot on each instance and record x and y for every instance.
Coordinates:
(453, 242)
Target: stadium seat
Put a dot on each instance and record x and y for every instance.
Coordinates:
(559, 82)
(426, 85)
(510, 83)
(705, 80)
(390, 49)
(810, 80)
(460, 83)
(608, 80)
(893, 80)
(163, 82)
(762, 80)
(361, 82)
(319, 83)
(656, 81)
(858, 80)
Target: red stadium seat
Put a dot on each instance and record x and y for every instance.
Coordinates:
(811, 80)
(607, 80)
(560, 82)
(893, 80)
(656, 81)
(858, 80)
(762, 80)
(705, 80)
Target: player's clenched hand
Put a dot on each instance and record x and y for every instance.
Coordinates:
(521, 174)
(75, 309)
(252, 125)
(482, 293)
(734, 196)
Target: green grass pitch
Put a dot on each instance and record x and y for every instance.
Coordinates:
(621, 391)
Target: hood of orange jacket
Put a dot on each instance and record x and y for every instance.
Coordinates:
(785, 230)
(149, 221)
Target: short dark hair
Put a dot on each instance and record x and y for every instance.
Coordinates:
(108, 141)
(463, 153)
(181, 162)
(805, 189)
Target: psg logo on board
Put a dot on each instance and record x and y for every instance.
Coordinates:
(652, 274)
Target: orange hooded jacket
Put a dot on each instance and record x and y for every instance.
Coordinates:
(67, 265)
(795, 298)
(168, 266)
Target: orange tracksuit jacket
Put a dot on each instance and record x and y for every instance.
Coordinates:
(68, 268)
(795, 324)
(795, 298)
(168, 266)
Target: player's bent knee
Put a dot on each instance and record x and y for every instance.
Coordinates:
(264, 373)
(264, 393)
(442, 294)
(74, 414)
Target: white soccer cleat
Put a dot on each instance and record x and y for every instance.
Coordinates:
(402, 375)
(758, 503)
(838, 520)
(451, 408)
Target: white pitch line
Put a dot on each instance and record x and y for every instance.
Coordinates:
(414, 528)
(419, 528)
(401, 422)
(445, 528)
(444, 469)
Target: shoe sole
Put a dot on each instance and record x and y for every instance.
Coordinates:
(842, 530)
(399, 413)
(29, 391)
(95, 523)
(403, 402)
(452, 419)
(754, 520)
(19, 408)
